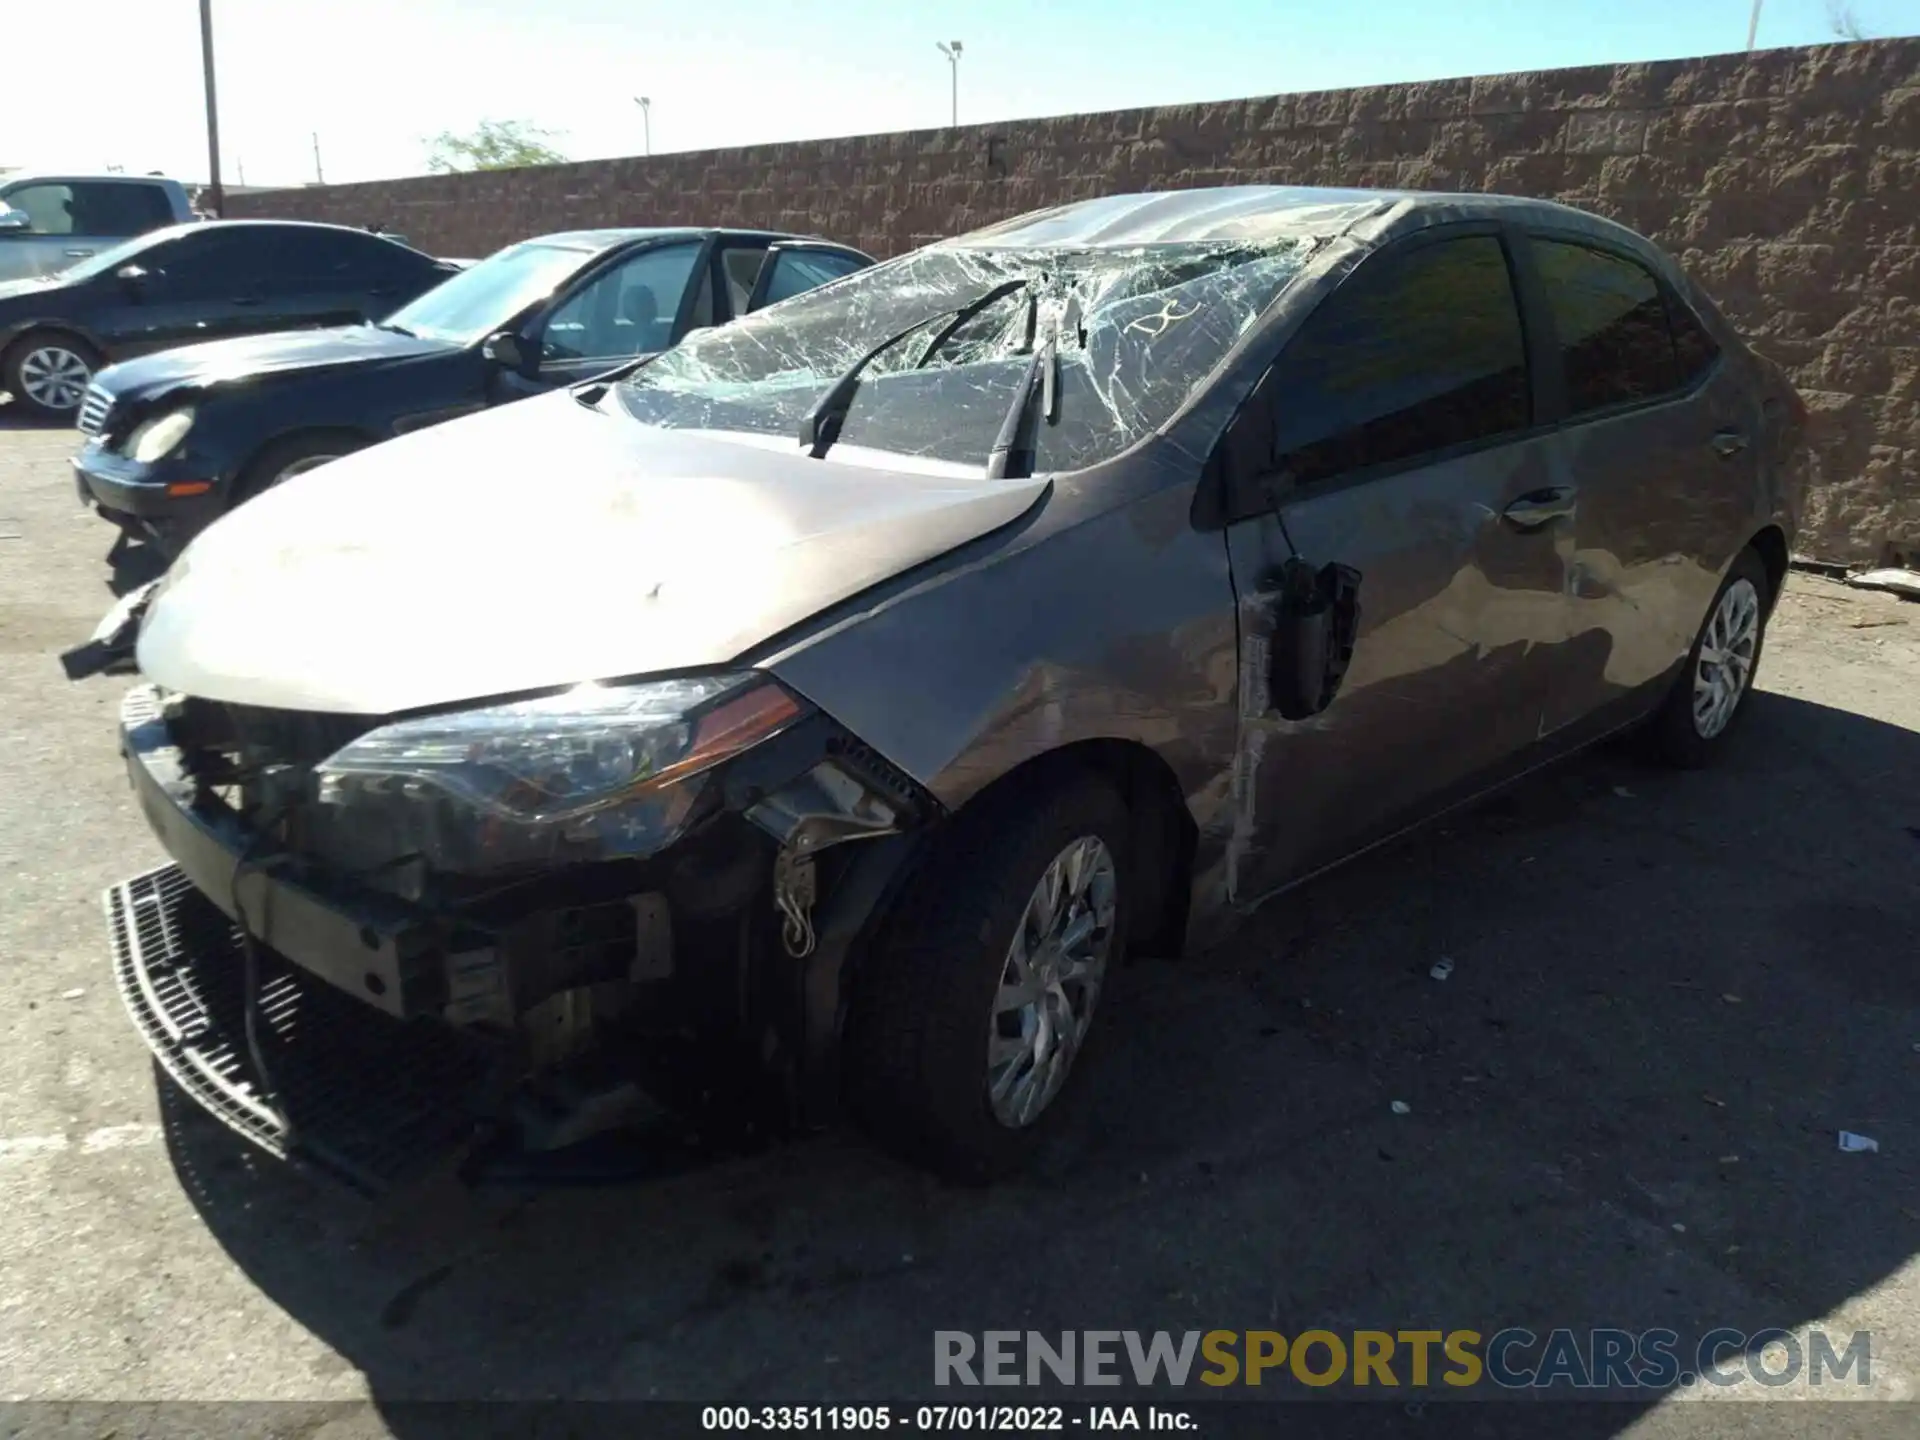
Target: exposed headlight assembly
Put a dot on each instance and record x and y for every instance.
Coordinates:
(159, 437)
(598, 772)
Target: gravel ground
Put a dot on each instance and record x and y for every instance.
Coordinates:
(1670, 992)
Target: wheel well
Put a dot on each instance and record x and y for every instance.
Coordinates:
(248, 479)
(1163, 831)
(47, 332)
(1771, 546)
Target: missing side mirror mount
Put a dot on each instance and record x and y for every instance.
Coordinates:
(1316, 621)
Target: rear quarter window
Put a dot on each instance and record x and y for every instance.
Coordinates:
(1610, 326)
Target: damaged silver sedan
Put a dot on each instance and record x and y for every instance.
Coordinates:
(813, 716)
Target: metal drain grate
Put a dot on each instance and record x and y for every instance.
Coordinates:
(374, 1100)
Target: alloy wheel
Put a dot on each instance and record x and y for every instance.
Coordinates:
(54, 377)
(1725, 663)
(1051, 981)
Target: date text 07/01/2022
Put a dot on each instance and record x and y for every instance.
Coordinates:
(940, 1418)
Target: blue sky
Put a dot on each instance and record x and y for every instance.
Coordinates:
(119, 80)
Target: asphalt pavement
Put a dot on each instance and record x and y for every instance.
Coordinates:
(1668, 995)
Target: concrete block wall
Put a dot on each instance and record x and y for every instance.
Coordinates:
(1788, 182)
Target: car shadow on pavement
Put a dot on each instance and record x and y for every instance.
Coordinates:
(1619, 1108)
(131, 564)
(14, 416)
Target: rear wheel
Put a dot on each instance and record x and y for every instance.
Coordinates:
(966, 1025)
(48, 374)
(1710, 695)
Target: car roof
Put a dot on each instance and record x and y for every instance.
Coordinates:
(605, 239)
(62, 177)
(1266, 214)
(200, 227)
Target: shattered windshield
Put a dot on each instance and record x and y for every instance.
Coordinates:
(1136, 329)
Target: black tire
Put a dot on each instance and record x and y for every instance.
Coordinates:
(923, 1005)
(1674, 736)
(270, 467)
(14, 380)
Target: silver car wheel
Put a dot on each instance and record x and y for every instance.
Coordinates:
(1725, 664)
(54, 377)
(1051, 981)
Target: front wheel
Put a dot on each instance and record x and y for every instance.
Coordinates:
(966, 1024)
(293, 456)
(1710, 695)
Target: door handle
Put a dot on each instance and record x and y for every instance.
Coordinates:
(248, 299)
(78, 254)
(1729, 443)
(1541, 507)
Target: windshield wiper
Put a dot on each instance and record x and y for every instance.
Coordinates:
(820, 427)
(395, 329)
(1009, 459)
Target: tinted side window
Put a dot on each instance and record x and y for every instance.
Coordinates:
(1415, 352)
(797, 271)
(302, 259)
(105, 208)
(627, 310)
(1693, 346)
(49, 207)
(1611, 325)
(212, 264)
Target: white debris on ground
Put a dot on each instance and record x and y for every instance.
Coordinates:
(1899, 582)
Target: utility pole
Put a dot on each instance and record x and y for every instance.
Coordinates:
(216, 200)
(951, 49)
(1753, 24)
(646, 119)
(319, 175)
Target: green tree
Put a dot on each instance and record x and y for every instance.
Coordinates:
(496, 145)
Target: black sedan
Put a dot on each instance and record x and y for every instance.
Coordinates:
(191, 283)
(176, 440)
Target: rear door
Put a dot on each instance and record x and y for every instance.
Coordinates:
(1395, 439)
(319, 277)
(1660, 438)
(205, 284)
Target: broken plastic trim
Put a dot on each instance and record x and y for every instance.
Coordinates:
(109, 650)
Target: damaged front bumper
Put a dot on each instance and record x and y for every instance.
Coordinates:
(166, 502)
(378, 1101)
(399, 1035)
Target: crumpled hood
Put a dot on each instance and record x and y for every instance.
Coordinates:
(540, 544)
(249, 357)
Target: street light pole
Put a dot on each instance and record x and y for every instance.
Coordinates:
(951, 49)
(216, 198)
(646, 119)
